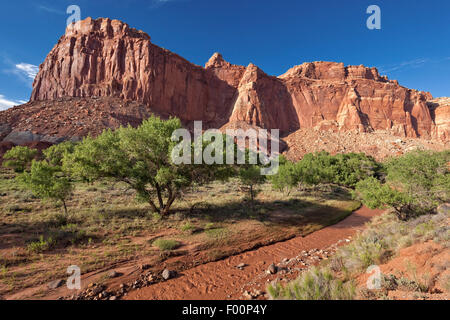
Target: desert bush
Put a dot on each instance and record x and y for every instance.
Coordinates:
(287, 176)
(314, 284)
(416, 183)
(342, 169)
(250, 178)
(47, 181)
(187, 227)
(56, 153)
(19, 158)
(166, 245)
(41, 245)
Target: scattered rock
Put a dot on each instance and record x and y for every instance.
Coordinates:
(56, 284)
(167, 274)
(145, 266)
(114, 274)
(273, 269)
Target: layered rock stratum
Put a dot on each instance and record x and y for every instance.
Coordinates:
(103, 73)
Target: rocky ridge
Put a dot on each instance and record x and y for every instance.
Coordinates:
(103, 73)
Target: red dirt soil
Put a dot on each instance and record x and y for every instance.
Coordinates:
(221, 280)
(424, 262)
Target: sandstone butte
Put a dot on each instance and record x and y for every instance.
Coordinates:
(106, 59)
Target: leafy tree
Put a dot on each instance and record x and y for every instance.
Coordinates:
(342, 169)
(375, 195)
(141, 158)
(315, 168)
(287, 176)
(19, 158)
(416, 183)
(47, 181)
(423, 175)
(55, 154)
(350, 168)
(250, 177)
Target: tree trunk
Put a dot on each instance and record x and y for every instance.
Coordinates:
(65, 206)
(160, 199)
(170, 201)
(152, 204)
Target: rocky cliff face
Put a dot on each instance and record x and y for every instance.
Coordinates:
(440, 112)
(107, 58)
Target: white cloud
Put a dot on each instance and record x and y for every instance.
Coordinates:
(29, 70)
(49, 9)
(405, 65)
(158, 3)
(6, 103)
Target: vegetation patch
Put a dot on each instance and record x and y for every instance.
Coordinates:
(166, 245)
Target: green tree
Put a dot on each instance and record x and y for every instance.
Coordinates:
(287, 176)
(19, 158)
(315, 168)
(250, 178)
(350, 168)
(423, 175)
(375, 195)
(47, 181)
(416, 183)
(141, 158)
(56, 153)
(345, 170)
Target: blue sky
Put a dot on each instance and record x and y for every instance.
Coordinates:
(413, 45)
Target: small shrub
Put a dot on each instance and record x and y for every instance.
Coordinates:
(19, 158)
(156, 216)
(41, 245)
(315, 284)
(166, 245)
(216, 233)
(187, 227)
(209, 226)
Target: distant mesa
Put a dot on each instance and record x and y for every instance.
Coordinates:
(107, 72)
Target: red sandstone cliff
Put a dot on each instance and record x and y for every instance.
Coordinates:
(107, 58)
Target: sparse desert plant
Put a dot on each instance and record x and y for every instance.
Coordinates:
(187, 227)
(41, 245)
(216, 233)
(166, 245)
(315, 284)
